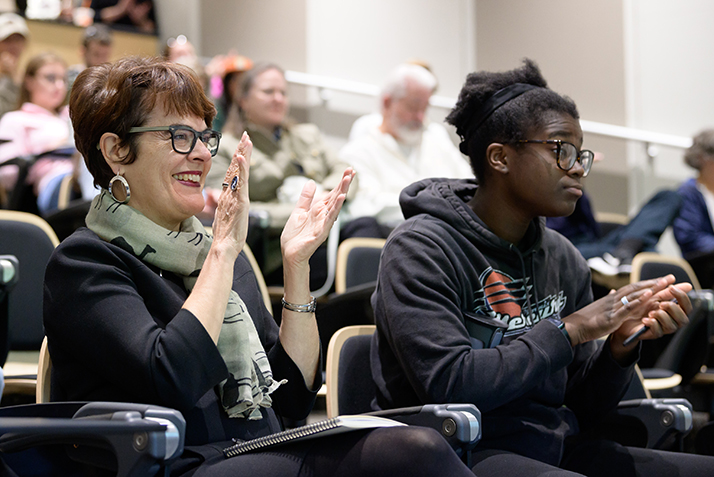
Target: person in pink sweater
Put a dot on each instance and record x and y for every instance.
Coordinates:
(41, 126)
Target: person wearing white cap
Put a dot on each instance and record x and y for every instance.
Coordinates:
(13, 38)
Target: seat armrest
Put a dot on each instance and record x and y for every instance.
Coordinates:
(459, 424)
(142, 438)
(173, 437)
(662, 417)
(9, 272)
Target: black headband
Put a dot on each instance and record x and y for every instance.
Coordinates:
(498, 99)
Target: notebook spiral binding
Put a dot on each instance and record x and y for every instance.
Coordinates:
(281, 437)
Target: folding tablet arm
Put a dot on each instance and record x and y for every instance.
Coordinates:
(662, 418)
(459, 424)
(141, 438)
(9, 275)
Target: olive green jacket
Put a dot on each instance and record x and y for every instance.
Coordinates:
(300, 151)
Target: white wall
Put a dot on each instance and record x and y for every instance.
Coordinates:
(356, 40)
(577, 44)
(173, 21)
(669, 84)
(363, 40)
(264, 30)
(640, 63)
(673, 65)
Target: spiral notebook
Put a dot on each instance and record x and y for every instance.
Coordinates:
(336, 425)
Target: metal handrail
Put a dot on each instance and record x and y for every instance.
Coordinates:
(445, 102)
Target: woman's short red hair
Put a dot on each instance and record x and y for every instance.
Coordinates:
(114, 97)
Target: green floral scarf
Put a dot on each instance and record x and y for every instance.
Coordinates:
(251, 382)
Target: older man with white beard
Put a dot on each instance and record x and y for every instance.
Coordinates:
(393, 150)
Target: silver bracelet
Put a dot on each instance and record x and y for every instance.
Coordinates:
(306, 308)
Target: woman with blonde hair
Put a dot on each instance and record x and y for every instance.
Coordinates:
(39, 129)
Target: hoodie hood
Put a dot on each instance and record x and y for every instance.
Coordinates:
(447, 201)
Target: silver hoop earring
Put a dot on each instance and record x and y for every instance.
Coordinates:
(127, 191)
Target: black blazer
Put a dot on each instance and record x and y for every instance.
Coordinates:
(116, 332)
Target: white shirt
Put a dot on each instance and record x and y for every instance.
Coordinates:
(385, 167)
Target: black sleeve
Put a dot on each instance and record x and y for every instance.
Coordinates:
(117, 331)
(597, 382)
(107, 344)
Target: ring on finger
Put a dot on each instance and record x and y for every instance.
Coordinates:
(625, 301)
(234, 183)
(225, 184)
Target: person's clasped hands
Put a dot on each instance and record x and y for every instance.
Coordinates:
(658, 304)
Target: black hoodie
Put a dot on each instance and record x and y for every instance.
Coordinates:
(444, 264)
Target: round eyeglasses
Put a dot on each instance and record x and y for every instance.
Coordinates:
(183, 138)
(52, 78)
(567, 154)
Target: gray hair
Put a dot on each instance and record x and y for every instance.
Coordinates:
(702, 149)
(396, 84)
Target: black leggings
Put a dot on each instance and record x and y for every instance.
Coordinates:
(600, 458)
(383, 452)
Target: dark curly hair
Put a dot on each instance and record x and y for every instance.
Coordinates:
(512, 121)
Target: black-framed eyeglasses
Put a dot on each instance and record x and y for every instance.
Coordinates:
(183, 138)
(567, 154)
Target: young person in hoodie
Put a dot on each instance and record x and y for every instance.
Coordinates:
(477, 301)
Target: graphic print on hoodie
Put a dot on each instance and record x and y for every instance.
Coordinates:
(505, 299)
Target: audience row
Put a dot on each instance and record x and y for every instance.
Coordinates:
(389, 150)
(477, 301)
